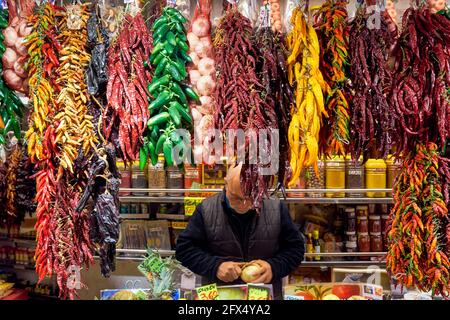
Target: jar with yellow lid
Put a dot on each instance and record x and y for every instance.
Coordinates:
(393, 170)
(335, 176)
(375, 170)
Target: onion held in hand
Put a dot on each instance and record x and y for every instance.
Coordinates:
(250, 272)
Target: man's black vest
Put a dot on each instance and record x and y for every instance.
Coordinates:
(263, 239)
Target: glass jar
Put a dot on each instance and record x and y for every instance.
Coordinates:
(375, 171)
(157, 177)
(362, 211)
(125, 176)
(335, 176)
(362, 225)
(175, 180)
(376, 242)
(364, 244)
(350, 220)
(393, 170)
(314, 181)
(350, 236)
(374, 224)
(192, 178)
(384, 221)
(354, 176)
(138, 179)
(300, 183)
(351, 246)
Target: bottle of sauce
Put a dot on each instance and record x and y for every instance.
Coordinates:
(316, 244)
(309, 246)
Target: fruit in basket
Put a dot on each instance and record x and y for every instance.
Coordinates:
(250, 272)
(331, 297)
(124, 295)
(345, 291)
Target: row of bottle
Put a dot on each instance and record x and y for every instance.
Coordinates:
(157, 177)
(344, 173)
(17, 255)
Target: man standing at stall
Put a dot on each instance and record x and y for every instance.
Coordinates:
(225, 232)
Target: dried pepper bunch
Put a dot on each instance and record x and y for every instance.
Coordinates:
(332, 28)
(309, 85)
(416, 235)
(372, 124)
(239, 96)
(277, 92)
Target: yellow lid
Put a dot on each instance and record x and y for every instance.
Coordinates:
(336, 158)
(161, 157)
(316, 233)
(376, 164)
(120, 164)
(349, 157)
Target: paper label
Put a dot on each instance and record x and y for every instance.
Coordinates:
(258, 293)
(208, 292)
(190, 203)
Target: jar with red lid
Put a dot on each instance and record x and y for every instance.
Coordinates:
(376, 242)
(362, 224)
(374, 224)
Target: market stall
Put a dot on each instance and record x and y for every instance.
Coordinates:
(117, 118)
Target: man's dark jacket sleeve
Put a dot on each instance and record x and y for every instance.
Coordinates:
(191, 248)
(292, 247)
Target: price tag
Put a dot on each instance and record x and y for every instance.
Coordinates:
(190, 203)
(208, 292)
(180, 225)
(258, 293)
(188, 282)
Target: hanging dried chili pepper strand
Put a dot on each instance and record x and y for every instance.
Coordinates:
(372, 124)
(333, 33)
(416, 253)
(239, 96)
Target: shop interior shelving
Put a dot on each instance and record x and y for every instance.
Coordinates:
(305, 200)
(326, 260)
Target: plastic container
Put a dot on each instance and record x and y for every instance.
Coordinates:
(375, 170)
(138, 179)
(300, 183)
(157, 177)
(125, 179)
(335, 176)
(315, 182)
(354, 176)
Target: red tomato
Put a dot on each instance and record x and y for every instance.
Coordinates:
(345, 291)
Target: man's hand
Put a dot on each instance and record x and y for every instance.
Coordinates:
(229, 271)
(265, 275)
